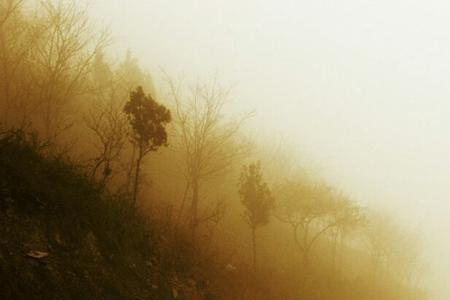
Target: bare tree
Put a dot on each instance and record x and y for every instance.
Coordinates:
(347, 217)
(109, 126)
(46, 52)
(380, 236)
(306, 208)
(407, 258)
(206, 139)
(394, 251)
(19, 37)
(62, 61)
(7, 8)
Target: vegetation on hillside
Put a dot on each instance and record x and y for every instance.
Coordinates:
(93, 207)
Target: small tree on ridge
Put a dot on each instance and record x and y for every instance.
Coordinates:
(257, 199)
(148, 120)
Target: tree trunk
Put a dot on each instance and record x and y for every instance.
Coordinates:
(183, 202)
(341, 252)
(298, 244)
(194, 207)
(254, 247)
(334, 254)
(129, 183)
(136, 177)
(306, 260)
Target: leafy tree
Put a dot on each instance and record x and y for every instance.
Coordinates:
(148, 120)
(257, 199)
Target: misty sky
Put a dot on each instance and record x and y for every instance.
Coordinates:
(360, 85)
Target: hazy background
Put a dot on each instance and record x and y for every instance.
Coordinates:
(360, 86)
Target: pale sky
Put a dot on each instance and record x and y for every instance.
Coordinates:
(361, 85)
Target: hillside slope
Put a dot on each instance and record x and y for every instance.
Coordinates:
(63, 238)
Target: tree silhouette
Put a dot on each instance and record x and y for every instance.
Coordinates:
(347, 217)
(148, 120)
(257, 199)
(307, 209)
(207, 139)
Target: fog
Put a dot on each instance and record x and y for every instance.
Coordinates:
(359, 86)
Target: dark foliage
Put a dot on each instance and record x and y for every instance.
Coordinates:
(97, 245)
(148, 119)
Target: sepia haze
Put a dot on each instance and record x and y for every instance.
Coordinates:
(360, 87)
(224, 150)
